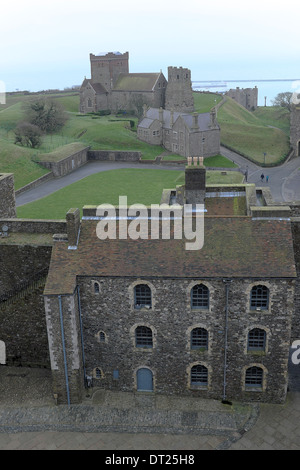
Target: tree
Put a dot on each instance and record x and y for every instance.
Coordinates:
(46, 113)
(28, 134)
(283, 99)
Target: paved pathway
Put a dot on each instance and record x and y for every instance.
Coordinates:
(30, 420)
(284, 181)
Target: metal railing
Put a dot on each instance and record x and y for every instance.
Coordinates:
(24, 287)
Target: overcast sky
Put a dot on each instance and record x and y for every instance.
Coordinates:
(46, 44)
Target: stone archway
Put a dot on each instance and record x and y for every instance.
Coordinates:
(2, 353)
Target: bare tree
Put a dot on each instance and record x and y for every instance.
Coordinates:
(283, 99)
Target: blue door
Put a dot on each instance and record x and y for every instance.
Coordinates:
(144, 380)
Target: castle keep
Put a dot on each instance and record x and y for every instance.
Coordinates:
(147, 315)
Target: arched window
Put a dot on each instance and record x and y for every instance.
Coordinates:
(143, 337)
(90, 104)
(259, 298)
(200, 296)
(254, 377)
(199, 338)
(142, 296)
(256, 340)
(96, 288)
(102, 337)
(199, 375)
(98, 373)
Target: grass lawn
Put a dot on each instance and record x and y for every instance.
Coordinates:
(275, 116)
(18, 160)
(248, 133)
(251, 135)
(139, 185)
(204, 102)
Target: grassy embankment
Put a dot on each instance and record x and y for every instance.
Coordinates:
(100, 132)
(254, 133)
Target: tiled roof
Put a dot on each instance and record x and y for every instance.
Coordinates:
(153, 113)
(234, 247)
(136, 81)
(98, 87)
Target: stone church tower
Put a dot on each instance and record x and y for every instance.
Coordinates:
(106, 68)
(179, 93)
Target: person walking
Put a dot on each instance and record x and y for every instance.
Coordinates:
(262, 177)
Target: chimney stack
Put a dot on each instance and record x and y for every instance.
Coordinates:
(73, 226)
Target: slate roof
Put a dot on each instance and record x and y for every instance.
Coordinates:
(234, 247)
(136, 81)
(153, 114)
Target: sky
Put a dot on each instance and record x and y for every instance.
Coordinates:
(46, 44)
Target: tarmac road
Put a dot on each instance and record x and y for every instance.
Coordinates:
(284, 180)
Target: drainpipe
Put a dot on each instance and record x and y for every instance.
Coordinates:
(227, 283)
(64, 348)
(81, 334)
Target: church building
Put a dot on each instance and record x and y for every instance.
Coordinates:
(111, 86)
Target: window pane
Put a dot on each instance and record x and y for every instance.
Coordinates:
(254, 377)
(257, 339)
(142, 296)
(200, 296)
(260, 297)
(143, 337)
(199, 375)
(199, 338)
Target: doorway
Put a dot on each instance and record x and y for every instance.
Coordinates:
(144, 378)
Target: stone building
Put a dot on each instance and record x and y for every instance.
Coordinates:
(179, 94)
(149, 315)
(295, 129)
(246, 97)
(181, 133)
(112, 87)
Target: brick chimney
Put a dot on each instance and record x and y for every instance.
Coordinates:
(73, 226)
(195, 181)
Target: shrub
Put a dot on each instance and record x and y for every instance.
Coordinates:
(27, 134)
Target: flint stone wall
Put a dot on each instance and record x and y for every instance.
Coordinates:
(171, 320)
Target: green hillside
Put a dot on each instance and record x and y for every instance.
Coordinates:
(247, 132)
(254, 133)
